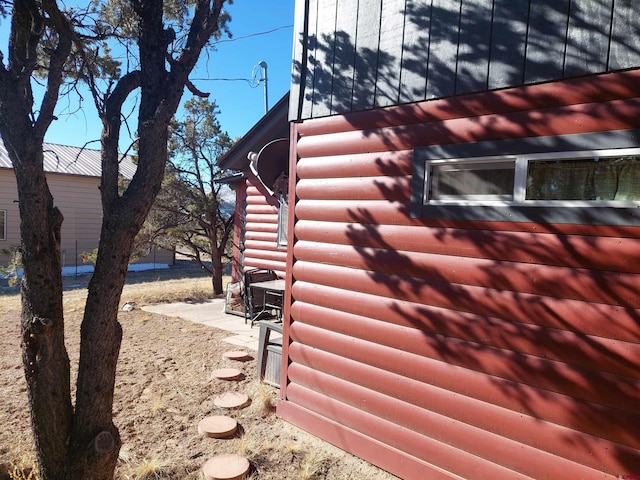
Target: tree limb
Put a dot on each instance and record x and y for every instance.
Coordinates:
(193, 89)
(111, 124)
(58, 58)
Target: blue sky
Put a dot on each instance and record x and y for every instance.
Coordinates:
(241, 106)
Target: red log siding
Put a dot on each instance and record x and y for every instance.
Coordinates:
(476, 349)
(261, 230)
(571, 119)
(594, 88)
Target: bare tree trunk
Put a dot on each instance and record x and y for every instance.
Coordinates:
(44, 356)
(95, 440)
(218, 240)
(216, 278)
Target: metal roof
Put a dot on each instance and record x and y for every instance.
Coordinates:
(72, 161)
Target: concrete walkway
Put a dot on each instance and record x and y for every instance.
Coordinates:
(211, 313)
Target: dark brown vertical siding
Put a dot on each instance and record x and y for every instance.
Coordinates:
(324, 26)
(625, 20)
(472, 69)
(354, 55)
(343, 63)
(443, 45)
(583, 37)
(388, 66)
(476, 349)
(261, 231)
(544, 58)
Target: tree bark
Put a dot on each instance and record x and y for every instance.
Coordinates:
(95, 440)
(44, 355)
(216, 265)
(84, 444)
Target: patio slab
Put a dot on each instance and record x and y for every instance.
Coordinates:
(211, 313)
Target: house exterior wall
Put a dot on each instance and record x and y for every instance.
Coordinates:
(452, 347)
(8, 203)
(261, 248)
(256, 212)
(78, 198)
(81, 226)
(82, 219)
(351, 55)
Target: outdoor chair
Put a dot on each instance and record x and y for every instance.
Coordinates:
(261, 304)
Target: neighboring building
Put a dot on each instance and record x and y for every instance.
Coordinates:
(464, 236)
(259, 164)
(73, 175)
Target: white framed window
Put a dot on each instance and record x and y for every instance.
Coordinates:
(483, 180)
(607, 178)
(3, 224)
(585, 178)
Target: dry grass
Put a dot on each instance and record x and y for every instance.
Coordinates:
(21, 465)
(9, 303)
(293, 449)
(155, 467)
(309, 464)
(263, 397)
(163, 389)
(157, 402)
(312, 466)
(20, 472)
(150, 293)
(253, 448)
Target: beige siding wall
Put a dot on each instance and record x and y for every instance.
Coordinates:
(78, 198)
(8, 203)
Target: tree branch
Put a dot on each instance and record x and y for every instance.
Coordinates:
(193, 89)
(58, 57)
(111, 124)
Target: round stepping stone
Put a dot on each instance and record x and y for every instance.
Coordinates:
(231, 400)
(227, 373)
(217, 426)
(227, 466)
(238, 355)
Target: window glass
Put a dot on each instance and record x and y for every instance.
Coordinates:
(478, 180)
(3, 224)
(586, 178)
(535, 178)
(592, 179)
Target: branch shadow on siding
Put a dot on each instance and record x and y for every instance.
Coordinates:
(540, 350)
(555, 373)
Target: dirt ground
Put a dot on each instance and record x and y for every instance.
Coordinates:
(164, 387)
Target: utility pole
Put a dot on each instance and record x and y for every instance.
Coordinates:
(263, 64)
